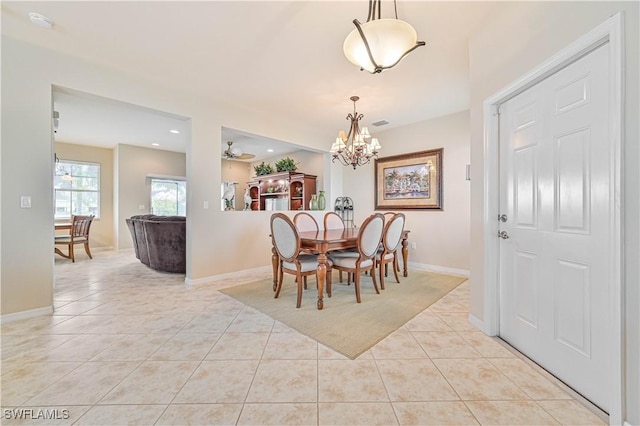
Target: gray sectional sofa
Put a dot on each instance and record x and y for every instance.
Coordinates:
(160, 241)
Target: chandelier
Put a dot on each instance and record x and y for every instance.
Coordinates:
(352, 149)
(379, 44)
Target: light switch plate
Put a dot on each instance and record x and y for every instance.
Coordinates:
(25, 201)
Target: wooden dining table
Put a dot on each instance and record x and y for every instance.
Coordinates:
(322, 242)
(61, 226)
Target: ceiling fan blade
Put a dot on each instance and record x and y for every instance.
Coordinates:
(245, 156)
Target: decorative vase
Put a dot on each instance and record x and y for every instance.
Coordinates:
(313, 204)
(321, 201)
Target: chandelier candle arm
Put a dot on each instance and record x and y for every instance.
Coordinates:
(352, 148)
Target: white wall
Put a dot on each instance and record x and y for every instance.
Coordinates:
(442, 237)
(520, 37)
(133, 188)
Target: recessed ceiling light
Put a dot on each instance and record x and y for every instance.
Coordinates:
(40, 20)
(155, 144)
(270, 150)
(174, 131)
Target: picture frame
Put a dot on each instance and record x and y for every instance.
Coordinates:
(409, 181)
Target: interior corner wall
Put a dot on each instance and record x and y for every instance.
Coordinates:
(517, 39)
(134, 187)
(102, 227)
(441, 237)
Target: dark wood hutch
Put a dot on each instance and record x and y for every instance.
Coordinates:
(282, 191)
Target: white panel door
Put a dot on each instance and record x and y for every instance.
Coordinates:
(555, 177)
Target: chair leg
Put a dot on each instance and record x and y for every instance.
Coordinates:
(86, 248)
(279, 286)
(305, 282)
(380, 273)
(386, 269)
(373, 277)
(299, 302)
(340, 275)
(356, 282)
(71, 253)
(328, 283)
(396, 269)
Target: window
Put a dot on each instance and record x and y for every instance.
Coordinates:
(77, 189)
(168, 197)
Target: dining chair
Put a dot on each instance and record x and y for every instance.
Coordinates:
(332, 220)
(78, 234)
(391, 237)
(387, 217)
(291, 260)
(305, 222)
(368, 241)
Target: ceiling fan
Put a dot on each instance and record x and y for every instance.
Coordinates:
(235, 153)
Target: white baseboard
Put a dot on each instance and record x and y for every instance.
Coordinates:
(235, 274)
(441, 269)
(478, 323)
(31, 313)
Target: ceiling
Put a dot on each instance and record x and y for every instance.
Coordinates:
(284, 57)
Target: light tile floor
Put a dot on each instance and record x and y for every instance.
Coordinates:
(129, 345)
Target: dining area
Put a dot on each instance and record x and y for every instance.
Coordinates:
(303, 247)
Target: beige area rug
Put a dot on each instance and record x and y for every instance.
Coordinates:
(344, 325)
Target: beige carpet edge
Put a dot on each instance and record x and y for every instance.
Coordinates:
(343, 325)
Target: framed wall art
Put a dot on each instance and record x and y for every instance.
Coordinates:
(409, 181)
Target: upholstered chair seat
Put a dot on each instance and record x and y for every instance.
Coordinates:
(308, 263)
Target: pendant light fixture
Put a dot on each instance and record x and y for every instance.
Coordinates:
(379, 43)
(352, 149)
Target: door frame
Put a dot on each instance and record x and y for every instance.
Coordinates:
(610, 31)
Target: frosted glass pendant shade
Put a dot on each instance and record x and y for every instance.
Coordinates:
(389, 40)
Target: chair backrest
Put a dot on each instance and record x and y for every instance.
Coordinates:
(333, 220)
(388, 216)
(392, 234)
(285, 237)
(370, 235)
(80, 226)
(305, 222)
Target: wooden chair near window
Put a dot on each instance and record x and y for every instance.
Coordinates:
(369, 239)
(78, 234)
(391, 238)
(291, 260)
